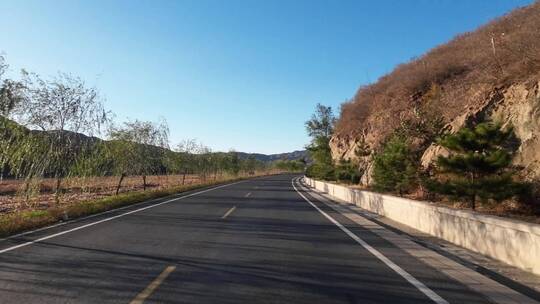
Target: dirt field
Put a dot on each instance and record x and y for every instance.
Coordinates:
(12, 197)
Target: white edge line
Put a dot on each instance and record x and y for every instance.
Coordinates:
(419, 285)
(111, 218)
(80, 219)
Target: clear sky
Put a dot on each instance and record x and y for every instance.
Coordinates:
(233, 74)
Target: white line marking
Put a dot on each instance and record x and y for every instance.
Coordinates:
(247, 195)
(111, 218)
(229, 212)
(80, 219)
(143, 295)
(419, 285)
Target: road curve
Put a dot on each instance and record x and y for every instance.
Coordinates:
(258, 241)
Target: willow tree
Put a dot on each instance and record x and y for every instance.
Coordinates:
(186, 150)
(138, 148)
(63, 107)
(21, 154)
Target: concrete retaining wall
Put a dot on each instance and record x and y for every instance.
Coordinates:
(513, 242)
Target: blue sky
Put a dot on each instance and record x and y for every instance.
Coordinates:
(233, 74)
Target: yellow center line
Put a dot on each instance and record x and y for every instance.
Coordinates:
(229, 212)
(139, 299)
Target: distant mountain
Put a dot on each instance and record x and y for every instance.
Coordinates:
(300, 154)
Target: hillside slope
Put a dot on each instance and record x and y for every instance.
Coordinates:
(491, 73)
(295, 155)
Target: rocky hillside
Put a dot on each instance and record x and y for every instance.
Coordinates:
(491, 73)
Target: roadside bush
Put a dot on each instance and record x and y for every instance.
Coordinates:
(347, 172)
(395, 169)
(320, 171)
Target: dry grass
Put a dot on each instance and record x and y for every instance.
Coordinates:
(466, 69)
(21, 219)
(75, 190)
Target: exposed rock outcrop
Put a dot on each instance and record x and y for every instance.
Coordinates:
(517, 105)
(491, 73)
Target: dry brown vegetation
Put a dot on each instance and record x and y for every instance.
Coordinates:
(93, 195)
(463, 71)
(76, 190)
(30, 218)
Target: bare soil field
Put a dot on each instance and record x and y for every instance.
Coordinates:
(75, 190)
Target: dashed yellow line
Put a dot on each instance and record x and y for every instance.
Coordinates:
(143, 295)
(229, 212)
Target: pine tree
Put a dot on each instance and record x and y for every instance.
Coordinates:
(394, 167)
(478, 165)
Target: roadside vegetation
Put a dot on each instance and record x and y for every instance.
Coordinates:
(320, 128)
(474, 169)
(407, 114)
(63, 155)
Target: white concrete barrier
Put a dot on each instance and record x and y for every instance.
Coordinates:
(513, 242)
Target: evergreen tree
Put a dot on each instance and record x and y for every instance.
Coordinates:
(394, 168)
(347, 171)
(322, 166)
(478, 165)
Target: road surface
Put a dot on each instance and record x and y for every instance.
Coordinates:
(255, 241)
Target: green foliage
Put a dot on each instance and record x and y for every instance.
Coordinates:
(322, 122)
(10, 96)
(10, 91)
(234, 163)
(94, 161)
(478, 165)
(25, 153)
(394, 168)
(320, 128)
(322, 166)
(347, 172)
(290, 165)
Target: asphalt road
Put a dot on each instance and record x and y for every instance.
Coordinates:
(256, 241)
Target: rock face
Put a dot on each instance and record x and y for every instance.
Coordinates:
(517, 105)
(492, 73)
